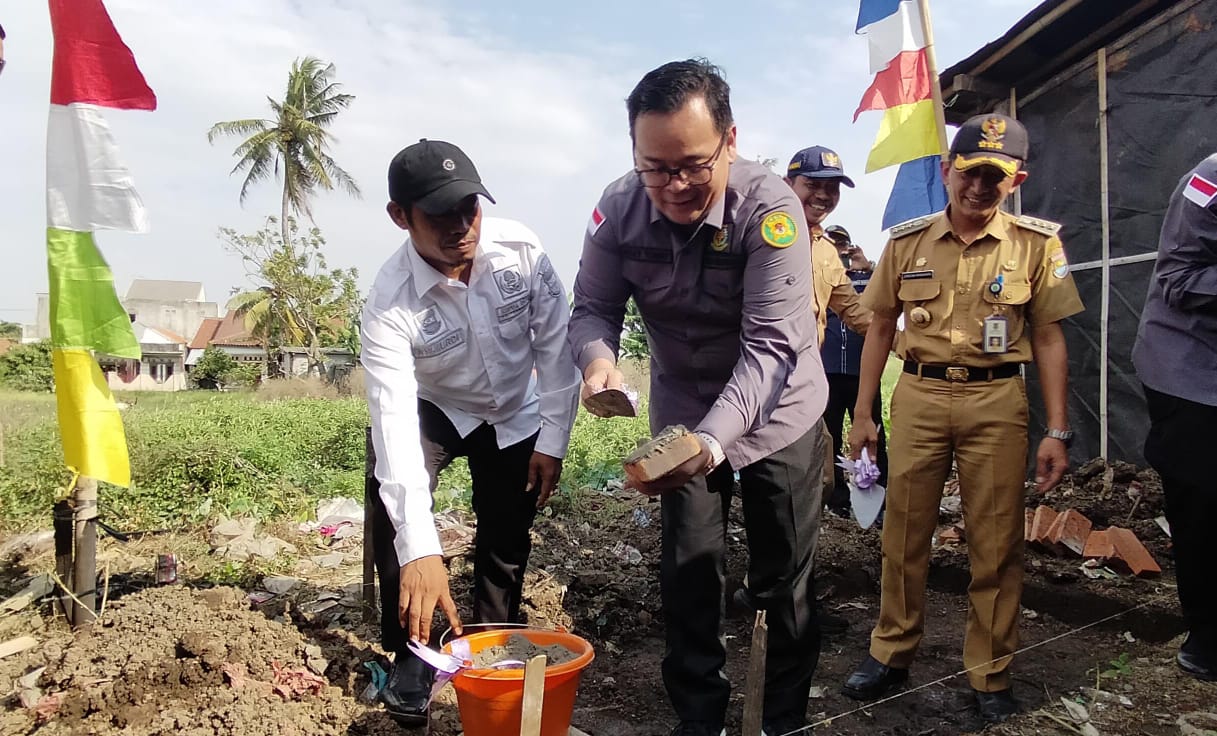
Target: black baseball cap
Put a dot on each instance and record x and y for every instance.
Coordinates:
(435, 175)
(839, 235)
(818, 162)
(994, 140)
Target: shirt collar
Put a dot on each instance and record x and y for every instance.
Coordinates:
(996, 227)
(424, 274)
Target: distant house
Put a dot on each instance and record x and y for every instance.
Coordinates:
(177, 306)
(293, 361)
(161, 368)
(230, 335)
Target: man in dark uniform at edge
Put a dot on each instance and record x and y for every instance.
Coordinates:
(982, 292)
(715, 252)
(1176, 359)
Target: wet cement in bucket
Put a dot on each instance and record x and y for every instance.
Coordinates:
(519, 648)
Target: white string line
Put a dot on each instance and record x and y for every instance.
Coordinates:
(939, 681)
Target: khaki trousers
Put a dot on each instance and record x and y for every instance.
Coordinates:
(983, 425)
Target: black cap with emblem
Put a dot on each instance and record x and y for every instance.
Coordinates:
(996, 140)
(434, 175)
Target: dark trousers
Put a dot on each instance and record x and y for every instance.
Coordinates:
(504, 515)
(781, 501)
(842, 395)
(1178, 447)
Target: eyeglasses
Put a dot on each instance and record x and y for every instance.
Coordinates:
(695, 175)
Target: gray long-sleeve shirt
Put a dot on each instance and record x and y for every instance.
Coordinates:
(1176, 348)
(728, 310)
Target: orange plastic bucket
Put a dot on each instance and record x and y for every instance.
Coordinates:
(491, 701)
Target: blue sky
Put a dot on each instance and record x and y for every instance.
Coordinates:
(532, 90)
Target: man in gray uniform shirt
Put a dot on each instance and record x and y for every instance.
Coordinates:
(715, 251)
(1176, 360)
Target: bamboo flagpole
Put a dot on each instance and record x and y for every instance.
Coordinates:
(931, 60)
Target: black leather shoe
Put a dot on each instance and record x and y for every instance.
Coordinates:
(872, 679)
(782, 725)
(996, 707)
(407, 691)
(1197, 665)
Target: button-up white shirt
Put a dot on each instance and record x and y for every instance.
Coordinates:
(492, 351)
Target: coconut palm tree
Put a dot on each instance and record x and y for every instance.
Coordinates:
(292, 145)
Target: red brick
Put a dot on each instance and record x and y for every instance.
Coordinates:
(950, 535)
(1131, 555)
(1099, 546)
(1040, 523)
(1068, 533)
(661, 455)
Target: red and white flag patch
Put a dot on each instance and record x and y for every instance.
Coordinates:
(1199, 190)
(597, 219)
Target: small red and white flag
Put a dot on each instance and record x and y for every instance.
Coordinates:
(1200, 190)
(593, 224)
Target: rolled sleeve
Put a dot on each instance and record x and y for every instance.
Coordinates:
(405, 487)
(601, 293)
(776, 326)
(558, 379)
(1187, 262)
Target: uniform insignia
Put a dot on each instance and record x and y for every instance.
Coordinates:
(920, 262)
(430, 323)
(993, 133)
(908, 227)
(510, 282)
(778, 229)
(596, 220)
(1045, 227)
(1010, 265)
(830, 160)
(721, 240)
(1200, 191)
(549, 277)
(1060, 266)
(920, 316)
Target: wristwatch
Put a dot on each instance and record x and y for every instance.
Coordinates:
(1064, 435)
(717, 456)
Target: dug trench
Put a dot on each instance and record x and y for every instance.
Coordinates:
(189, 660)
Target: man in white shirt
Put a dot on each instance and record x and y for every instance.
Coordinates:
(464, 348)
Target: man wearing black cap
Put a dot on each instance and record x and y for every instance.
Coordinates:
(982, 292)
(457, 321)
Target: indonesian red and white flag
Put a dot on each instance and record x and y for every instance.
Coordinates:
(1199, 190)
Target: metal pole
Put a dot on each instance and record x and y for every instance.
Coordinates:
(84, 567)
(1105, 303)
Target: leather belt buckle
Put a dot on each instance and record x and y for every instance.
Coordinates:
(957, 373)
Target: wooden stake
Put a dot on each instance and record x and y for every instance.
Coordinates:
(371, 488)
(754, 688)
(534, 696)
(84, 562)
(62, 521)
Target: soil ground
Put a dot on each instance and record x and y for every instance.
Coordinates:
(196, 660)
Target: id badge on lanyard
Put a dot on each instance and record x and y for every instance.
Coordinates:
(997, 336)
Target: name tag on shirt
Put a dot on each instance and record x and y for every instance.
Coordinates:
(914, 275)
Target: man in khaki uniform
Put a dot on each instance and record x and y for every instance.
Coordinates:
(816, 175)
(981, 292)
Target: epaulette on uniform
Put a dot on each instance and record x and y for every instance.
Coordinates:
(908, 227)
(1047, 227)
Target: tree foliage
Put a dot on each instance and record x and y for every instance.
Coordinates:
(297, 298)
(634, 334)
(218, 369)
(293, 144)
(10, 330)
(28, 367)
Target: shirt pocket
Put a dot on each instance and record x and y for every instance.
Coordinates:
(1010, 303)
(511, 319)
(440, 355)
(919, 290)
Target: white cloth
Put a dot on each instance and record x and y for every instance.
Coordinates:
(88, 187)
(494, 351)
(889, 36)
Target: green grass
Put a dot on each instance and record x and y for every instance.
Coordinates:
(198, 454)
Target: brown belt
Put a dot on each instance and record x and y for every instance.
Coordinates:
(961, 373)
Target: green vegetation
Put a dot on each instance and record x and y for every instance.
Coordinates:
(27, 368)
(196, 455)
(218, 369)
